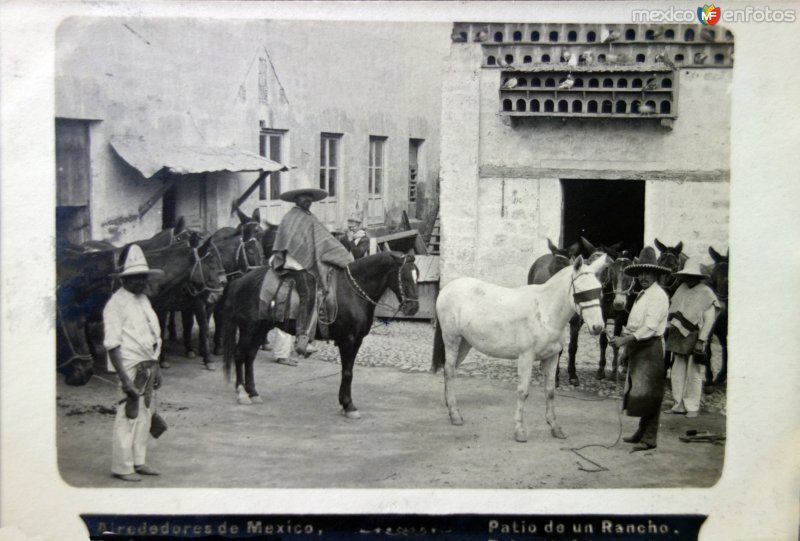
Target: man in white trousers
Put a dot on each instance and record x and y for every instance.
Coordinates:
(133, 341)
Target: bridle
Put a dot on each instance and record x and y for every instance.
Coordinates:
(198, 267)
(241, 251)
(75, 356)
(622, 271)
(588, 298)
(403, 297)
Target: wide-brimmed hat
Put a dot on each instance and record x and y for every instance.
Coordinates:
(646, 262)
(136, 264)
(692, 267)
(315, 193)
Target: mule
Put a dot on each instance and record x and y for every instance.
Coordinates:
(719, 283)
(358, 288)
(240, 250)
(619, 293)
(85, 285)
(673, 258)
(193, 284)
(524, 323)
(592, 252)
(547, 265)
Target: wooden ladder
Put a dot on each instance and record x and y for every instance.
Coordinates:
(433, 242)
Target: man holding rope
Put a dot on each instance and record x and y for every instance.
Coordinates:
(644, 349)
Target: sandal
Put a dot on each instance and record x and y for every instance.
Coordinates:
(287, 362)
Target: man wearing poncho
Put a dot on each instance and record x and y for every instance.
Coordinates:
(303, 247)
(692, 312)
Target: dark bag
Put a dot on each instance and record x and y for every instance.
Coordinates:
(683, 345)
(157, 425)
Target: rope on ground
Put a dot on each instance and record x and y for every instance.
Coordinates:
(315, 378)
(597, 467)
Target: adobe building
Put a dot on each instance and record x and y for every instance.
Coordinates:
(612, 132)
(160, 118)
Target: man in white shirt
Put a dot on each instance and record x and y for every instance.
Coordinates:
(133, 341)
(644, 348)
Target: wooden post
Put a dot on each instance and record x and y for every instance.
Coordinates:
(248, 191)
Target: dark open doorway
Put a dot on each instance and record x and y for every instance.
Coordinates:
(604, 212)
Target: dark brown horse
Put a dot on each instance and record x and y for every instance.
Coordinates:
(592, 252)
(358, 289)
(547, 265)
(85, 285)
(719, 283)
(673, 258)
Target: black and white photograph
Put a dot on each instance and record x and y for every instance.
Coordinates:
(399, 259)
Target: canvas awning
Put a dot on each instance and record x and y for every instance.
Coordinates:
(151, 158)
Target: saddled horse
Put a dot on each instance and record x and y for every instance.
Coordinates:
(525, 323)
(357, 290)
(719, 283)
(85, 285)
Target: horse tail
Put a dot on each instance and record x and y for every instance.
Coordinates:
(438, 349)
(228, 333)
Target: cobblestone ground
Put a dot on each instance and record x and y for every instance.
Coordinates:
(408, 345)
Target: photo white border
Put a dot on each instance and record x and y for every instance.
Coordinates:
(757, 496)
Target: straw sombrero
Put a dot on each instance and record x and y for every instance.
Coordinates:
(315, 193)
(136, 264)
(646, 262)
(691, 268)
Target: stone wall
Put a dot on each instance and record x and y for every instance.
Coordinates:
(501, 192)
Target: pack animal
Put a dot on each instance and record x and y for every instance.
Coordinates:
(719, 283)
(524, 323)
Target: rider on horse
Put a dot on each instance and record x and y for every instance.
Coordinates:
(303, 246)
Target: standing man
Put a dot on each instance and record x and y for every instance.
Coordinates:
(133, 341)
(302, 246)
(643, 338)
(693, 309)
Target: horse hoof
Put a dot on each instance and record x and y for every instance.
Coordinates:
(558, 433)
(191, 355)
(601, 374)
(521, 435)
(456, 419)
(242, 396)
(164, 364)
(355, 414)
(256, 399)
(574, 381)
(210, 365)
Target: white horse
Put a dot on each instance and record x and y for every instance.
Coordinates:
(525, 323)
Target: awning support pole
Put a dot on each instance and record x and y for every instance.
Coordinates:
(248, 192)
(147, 205)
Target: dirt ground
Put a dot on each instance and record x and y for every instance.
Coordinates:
(299, 439)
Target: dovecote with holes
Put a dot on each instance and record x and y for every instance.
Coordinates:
(594, 70)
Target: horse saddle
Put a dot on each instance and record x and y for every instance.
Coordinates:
(279, 301)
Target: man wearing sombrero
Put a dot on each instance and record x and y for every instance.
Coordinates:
(133, 341)
(302, 246)
(643, 338)
(692, 311)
